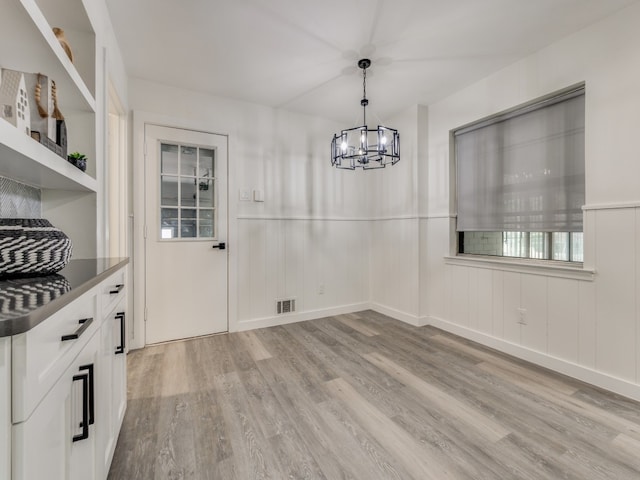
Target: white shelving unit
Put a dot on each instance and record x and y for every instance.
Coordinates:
(28, 44)
(27, 161)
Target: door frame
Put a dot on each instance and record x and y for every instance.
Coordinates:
(140, 120)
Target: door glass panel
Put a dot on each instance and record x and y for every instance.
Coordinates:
(206, 225)
(188, 185)
(168, 223)
(205, 168)
(187, 192)
(189, 161)
(169, 191)
(188, 222)
(205, 193)
(169, 158)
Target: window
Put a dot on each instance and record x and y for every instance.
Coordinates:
(520, 181)
(187, 185)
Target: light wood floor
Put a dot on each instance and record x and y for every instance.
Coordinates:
(362, 396)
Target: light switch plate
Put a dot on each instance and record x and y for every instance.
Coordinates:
(258, 196)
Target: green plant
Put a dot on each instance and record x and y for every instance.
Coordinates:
(77, 156)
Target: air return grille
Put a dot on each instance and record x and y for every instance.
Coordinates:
(285, 306)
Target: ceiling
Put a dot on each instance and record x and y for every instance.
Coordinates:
(301, 55)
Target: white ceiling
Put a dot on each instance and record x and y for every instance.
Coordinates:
(301, 55)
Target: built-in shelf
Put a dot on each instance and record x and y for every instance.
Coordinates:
(34, 48)
(25, 160)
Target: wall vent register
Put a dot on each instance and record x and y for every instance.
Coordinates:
(285, 306)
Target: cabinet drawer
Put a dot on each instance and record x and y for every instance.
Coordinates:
(112, 290)
(41, 355)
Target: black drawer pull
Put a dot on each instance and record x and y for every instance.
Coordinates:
(118, 288)
(120, 348)
(92, 402)
(84, 324)
(84, 378)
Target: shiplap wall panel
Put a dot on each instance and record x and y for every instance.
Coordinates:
(437, 242)
(563, 318)
(473, 298)
(485, 300)
(497, 329)
(615, 292)
(512, 302)
(587, 313)
(459, 295)
(534, 300)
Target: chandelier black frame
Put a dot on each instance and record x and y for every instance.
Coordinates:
(364, 147)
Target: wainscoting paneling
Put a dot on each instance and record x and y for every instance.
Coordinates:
(616, 248)
(534, 301)
(320, 263)
(563, 320)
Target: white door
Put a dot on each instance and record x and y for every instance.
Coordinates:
(186, 232)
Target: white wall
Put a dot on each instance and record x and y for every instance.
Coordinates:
(590, 329)
(311, 233)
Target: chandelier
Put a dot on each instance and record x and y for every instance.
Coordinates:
(364, 147)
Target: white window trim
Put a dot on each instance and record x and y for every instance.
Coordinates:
(547, 268)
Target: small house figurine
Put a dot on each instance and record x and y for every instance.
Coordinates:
(14, 102)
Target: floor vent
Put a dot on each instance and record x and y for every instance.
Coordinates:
(285, 306)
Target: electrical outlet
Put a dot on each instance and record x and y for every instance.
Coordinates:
(321, 289)
(522, 316)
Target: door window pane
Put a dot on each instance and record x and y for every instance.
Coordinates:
(187, 192)
(206, 225)
(189, 161)
(168, 158)
(188, 218)
(169, 191)
(168, 223)
(206, 193)
(205, 167)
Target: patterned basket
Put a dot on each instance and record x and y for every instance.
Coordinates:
(32, 247)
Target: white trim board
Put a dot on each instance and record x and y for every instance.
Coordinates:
(299, 317)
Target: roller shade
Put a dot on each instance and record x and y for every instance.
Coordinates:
(523, 171)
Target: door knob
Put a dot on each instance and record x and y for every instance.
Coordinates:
(220, 245)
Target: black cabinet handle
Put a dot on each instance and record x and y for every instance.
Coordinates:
(118, 288)
(221, 246)
(84, 324)
(84, 378)
(120, 348)
(92, 402)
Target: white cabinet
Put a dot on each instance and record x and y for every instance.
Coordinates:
(44, 445)
(113, 358)
(69, 388)
(5, 407)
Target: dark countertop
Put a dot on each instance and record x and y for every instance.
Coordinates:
(25, 302)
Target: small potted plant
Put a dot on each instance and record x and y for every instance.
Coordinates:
(78, 159)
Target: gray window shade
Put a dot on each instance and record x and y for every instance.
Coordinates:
(523, 171)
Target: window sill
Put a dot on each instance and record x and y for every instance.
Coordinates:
(532, 267)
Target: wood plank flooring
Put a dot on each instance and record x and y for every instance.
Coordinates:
(363, 396)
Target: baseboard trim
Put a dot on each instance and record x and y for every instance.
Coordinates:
(599, 379)
(299, 317)
(405, 317)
